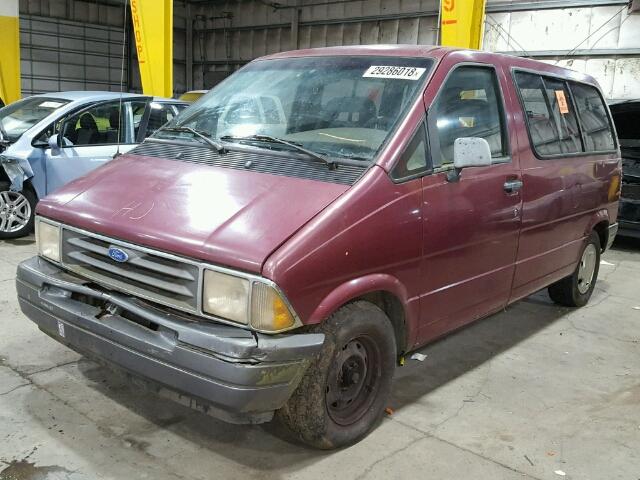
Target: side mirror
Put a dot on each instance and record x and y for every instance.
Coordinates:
(469, 152)
(54, 143)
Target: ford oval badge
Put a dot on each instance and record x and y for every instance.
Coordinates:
(118, 255)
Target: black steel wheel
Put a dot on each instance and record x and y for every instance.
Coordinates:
(353, 384)
(343, 394)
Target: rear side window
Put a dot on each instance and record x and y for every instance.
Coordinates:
(557, 125)
(564, 115)
(595, 122)
(540, 118)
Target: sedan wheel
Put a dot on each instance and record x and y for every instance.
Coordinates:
(16, 213)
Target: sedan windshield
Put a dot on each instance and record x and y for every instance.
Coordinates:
(334, 106)
(18, 117)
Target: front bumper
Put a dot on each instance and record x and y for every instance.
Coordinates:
(240, 376)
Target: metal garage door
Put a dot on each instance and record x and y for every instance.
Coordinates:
(58, 55)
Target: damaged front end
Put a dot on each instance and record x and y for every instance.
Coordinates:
(234, 374)
(16, 170)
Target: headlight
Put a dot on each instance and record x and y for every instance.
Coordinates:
(48, 240)
(228, 296)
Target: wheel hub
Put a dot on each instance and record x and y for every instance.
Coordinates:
(587, 268)
(15, 211)
(352, 381)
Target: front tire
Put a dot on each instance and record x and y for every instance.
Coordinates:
(343, 394)
(576, 289)
(17, 211)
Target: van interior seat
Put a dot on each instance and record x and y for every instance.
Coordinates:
(87, 134)
(544, 134)
(477, 120)
(350, 112)
(597, 131)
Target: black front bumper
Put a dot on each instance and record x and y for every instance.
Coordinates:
(241, 376)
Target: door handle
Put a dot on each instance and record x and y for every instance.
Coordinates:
(512, 186)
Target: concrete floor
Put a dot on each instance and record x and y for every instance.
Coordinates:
(533, 392)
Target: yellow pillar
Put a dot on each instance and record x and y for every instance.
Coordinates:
(461, 23)
(10, 51)
(153, 29)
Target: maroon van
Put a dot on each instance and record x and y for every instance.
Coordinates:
(283, 242)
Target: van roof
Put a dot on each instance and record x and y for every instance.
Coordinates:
(438, 53)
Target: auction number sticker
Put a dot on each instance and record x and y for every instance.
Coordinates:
(385, 71)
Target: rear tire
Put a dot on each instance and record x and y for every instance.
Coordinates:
(17, 211)
(343, 394)
(576, 289)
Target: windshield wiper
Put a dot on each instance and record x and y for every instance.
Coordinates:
(210, 141)
(268, 138)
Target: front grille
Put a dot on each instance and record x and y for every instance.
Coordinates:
(161, 278)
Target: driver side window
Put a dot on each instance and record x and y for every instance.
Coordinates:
(101, 124)
(468, 105)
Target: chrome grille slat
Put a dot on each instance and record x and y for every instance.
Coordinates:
(116, 269)
(140, 261)
(155, 276)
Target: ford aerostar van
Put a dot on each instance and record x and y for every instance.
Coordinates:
(279, 246)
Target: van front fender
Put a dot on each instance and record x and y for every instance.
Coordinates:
(358, 287)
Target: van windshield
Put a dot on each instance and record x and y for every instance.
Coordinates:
(18, 117)
(335, 106)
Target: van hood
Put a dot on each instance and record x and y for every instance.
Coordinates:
(223, 216)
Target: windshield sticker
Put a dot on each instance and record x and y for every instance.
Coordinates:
(50, 104)
(403, 73)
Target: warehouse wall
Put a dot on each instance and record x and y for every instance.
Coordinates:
(225, 34)
(228, 34)
(77, 45)
(61, 55)
(603, 41)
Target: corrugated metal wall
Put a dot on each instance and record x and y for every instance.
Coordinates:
(603, 41)
(595, 36)
(77, 45)
(70, 45)
(58, 55)
(229, 34)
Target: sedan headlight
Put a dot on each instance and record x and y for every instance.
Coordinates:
(248, 301)
(48, 240)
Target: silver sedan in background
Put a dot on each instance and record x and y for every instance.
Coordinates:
(50, 139)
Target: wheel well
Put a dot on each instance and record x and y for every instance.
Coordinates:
(392, 307)
(602, 229)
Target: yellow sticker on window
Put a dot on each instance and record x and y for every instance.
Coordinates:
(467, 122)
(562, 102)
